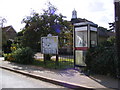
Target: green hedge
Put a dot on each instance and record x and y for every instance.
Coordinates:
(102, 59)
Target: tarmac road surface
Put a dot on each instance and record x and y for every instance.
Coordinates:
(10, 79)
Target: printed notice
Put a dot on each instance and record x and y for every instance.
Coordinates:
(49, 45)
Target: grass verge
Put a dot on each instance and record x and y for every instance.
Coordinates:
(62, 64)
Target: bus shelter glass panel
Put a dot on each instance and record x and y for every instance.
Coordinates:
(81, 39)
(93, 38)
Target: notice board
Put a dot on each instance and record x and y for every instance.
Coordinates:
(49, 45)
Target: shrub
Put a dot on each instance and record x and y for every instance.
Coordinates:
(9, 57)
(102, 59)
(6, 47)
(23, 55)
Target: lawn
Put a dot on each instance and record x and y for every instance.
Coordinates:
(62, 63)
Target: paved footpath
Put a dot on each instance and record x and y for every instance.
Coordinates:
(70, 77)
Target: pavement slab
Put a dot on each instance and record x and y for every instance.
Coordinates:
(71, 76)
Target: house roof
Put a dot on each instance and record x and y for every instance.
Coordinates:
(84, 21)
(105, 33)
(78, 20)
(110, 33)
(102, 32)
(6, 29)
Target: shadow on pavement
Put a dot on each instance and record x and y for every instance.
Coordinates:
(106, 81)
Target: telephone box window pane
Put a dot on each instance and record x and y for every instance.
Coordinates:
(79, 55)
(93, 39)
(81, 39)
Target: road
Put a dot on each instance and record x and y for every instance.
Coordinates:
(10, 79)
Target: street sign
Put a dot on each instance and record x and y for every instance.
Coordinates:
(49, 44)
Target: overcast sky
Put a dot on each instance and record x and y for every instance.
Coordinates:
(100, 12)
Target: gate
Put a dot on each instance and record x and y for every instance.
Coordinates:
(66, 58)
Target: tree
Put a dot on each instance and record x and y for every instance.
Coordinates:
(112, 26)
(38, 26)
(2, 21)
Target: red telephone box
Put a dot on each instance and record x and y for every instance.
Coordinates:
(85, 36)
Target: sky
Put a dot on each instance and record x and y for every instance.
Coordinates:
(100, 12)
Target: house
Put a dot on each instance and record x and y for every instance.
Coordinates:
(104, 34)
(8, 33)
(74, 18)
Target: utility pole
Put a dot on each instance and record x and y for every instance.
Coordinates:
(117, 29)
(0, 41)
